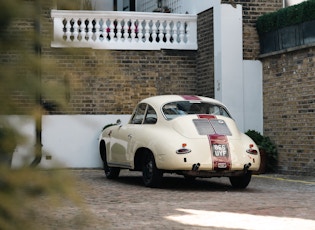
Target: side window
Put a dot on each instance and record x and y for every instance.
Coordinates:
(138, 114)
(151, 116)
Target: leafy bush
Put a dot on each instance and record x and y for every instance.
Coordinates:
(292, 15)
(30, 198)
(264, 143)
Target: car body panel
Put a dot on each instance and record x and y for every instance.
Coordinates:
(222, 150)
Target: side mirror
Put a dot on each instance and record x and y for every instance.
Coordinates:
(118, 122)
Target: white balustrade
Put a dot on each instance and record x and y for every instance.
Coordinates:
(124, 30)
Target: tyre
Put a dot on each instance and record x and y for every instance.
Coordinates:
(110, 172)
(241, 182)
(151, 175)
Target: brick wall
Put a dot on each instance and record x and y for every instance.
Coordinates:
(205, 56)
(252, 9)
(102, 81)
(16, 67)
(112, 82)
(87, 81)
(289, 108)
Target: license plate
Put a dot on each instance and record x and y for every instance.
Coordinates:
(220, 150)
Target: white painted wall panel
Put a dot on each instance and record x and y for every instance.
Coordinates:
(72, 140)
(253, 95)
(228, 58)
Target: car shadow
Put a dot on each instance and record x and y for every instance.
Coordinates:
(179, 183)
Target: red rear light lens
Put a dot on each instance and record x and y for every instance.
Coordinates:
(251, 150)
(183, 151)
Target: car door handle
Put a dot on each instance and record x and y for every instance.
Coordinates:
(129, 136)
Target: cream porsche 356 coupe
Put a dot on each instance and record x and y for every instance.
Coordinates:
(192, 136)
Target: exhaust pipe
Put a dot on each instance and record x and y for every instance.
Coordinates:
(246, 167)
(195, 167)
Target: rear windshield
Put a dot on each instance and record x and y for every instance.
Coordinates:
(179, 108)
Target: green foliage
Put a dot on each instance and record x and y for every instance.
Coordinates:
(29, 198)
(264, 143)
(292, 15)
(32, 198)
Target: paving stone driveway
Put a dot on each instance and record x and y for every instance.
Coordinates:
(269, 202)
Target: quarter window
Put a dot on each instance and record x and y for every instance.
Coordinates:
(151, 117)
(139, 114)
(144, 114)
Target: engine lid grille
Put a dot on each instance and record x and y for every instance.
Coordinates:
(211, 127)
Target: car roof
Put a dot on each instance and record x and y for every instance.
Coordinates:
(163, 99)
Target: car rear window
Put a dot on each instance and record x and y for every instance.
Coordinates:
(179, 108)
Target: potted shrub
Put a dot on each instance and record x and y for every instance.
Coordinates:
(268, 151)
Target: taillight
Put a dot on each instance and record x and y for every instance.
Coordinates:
(183, 149)
(251, 150)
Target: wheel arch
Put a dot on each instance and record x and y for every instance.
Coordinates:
(139, 157)
(102, 150)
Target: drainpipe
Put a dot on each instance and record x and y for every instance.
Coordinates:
(38, 114)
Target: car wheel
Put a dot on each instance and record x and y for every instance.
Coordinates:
(151, 175)
(241, 181)
(110, 172)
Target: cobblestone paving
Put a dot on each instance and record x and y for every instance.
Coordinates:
(269, 202)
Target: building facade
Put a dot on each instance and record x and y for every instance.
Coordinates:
(112, 81)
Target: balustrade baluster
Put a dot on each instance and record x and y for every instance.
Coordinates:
(112, 32)
(154, 32)
(132, 29)
(101, 30)
(119, 28)
(167, 31)
(90, 29)
(75, 29)
(72, 29)
(158, 31)
(79, 29)
(95, 29)
(107, 29)
(86, 30)
(68, 27)
(162, 32)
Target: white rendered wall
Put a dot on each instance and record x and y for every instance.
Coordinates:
(69, 141)
(195, 7)
(238, 83)
(25, 126)
(253, 95)
(228, 56)
(73, 139)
